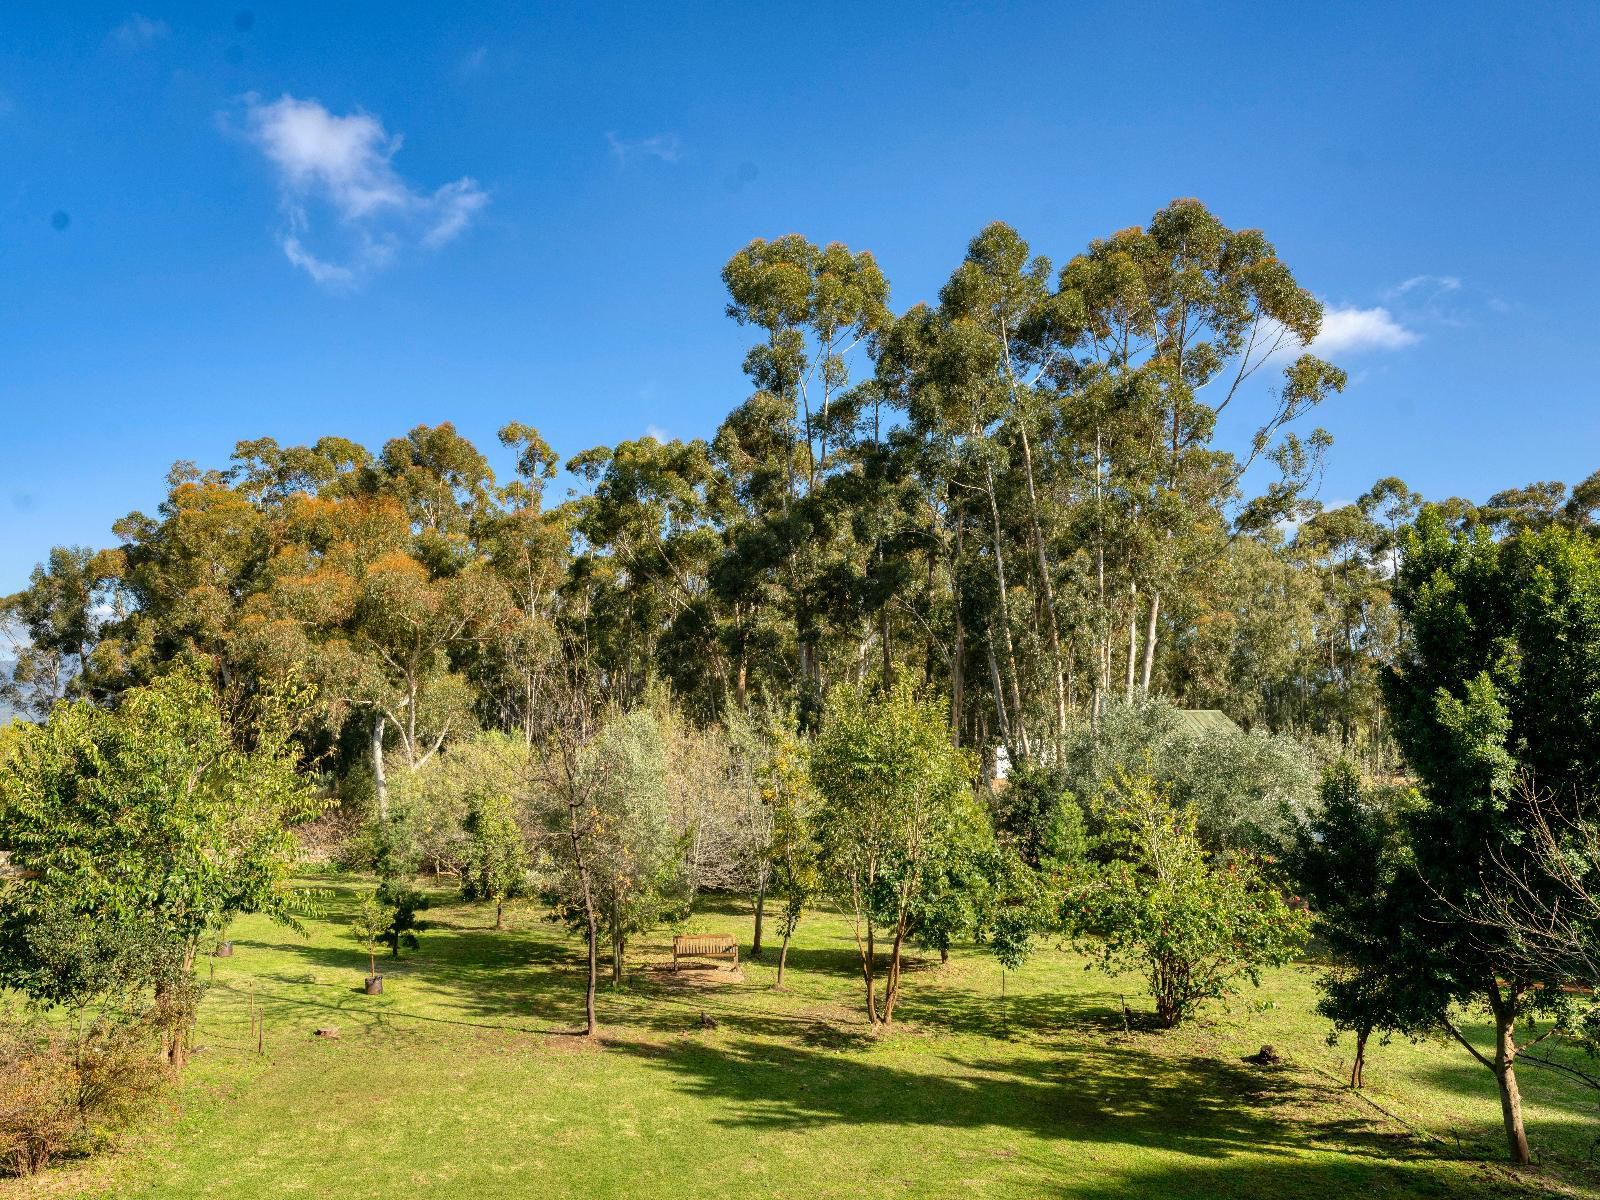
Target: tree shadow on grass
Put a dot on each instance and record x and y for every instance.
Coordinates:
(1098, 1093)
(1309, 1179)
(1040, 1015)
(1244, 1133)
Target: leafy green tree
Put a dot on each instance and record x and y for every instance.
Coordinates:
(895, 792)
(1194, 924)
(496, 866)
(155, 820)
(1039, 816)
(1353, 865)
(792, 851)
(814, 306)
(404, 903)
(1495, 683)
(54, 626)
(369, 926)
(637, 858)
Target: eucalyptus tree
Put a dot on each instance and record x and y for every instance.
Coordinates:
(645, 544)
(528, 548)
(1178, 317)
(54, 625)
(815, 306)
(1011, 335)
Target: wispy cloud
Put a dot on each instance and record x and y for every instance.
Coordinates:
(1425, 284)
(139, 32)
(665, 146)
(1355, 330)
(343, 166)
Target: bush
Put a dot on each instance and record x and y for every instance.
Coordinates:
(1247, 791)
(406, 902)
(63, 1091)
(1037, 813)
(1194, 923)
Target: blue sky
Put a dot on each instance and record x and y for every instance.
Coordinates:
(296, 219)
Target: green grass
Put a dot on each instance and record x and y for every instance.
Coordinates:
(464, 1080)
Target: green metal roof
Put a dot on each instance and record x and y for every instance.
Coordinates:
(1206, 720)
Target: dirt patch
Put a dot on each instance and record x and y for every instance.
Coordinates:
(708, 975)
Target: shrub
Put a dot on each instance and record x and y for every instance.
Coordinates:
(63, 1090)
(1247, 791)
(1194, 923)
(406, 902)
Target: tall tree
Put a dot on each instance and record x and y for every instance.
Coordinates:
(1498, 679)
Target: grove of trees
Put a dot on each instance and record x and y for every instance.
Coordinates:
(919, 633)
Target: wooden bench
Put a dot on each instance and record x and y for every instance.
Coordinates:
(705, 945)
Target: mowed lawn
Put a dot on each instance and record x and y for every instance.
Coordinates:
(463, 1080)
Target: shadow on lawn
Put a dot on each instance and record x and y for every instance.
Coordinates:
(1096, 1093)
(1422, 1179)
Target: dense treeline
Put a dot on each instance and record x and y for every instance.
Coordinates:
(1016, 497)
(997, 536)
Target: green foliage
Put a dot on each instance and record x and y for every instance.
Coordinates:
(370, 927)
(792, 851)
(139, 830)
(404, 903)
(1194, 923)
(633, 856)
(1353, 864)
(1247, 791)
(1494, 702)
(897, 799)
(1037, 813)
(496, 865)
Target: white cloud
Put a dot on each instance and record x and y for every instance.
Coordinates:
(1432, 284)
(1353, 330)
(655, 431)
(344, 165)
(665, 146)
(139, 32)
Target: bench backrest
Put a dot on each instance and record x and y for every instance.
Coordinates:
(707, 943)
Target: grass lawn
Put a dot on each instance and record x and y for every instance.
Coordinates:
(463, 1081)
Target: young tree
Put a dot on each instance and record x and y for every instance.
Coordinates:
(154, 819)
(372, 921)
(496, 863)
(1352, 863)
(636, 857)
(404, 903)
(894, 793)
(566, 789)
(1194, 924)
(792, 851)
(1495, 683)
